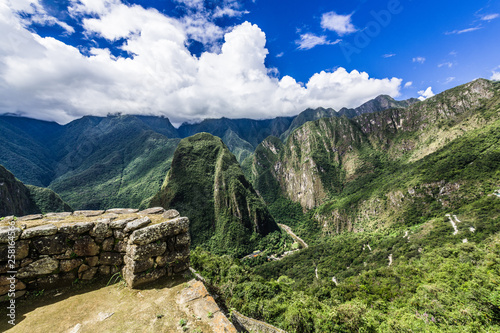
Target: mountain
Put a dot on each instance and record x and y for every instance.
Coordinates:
(389, 166)
(18, 199)
(206, 184)
(401, 212)
(377, 104)
(240, 135)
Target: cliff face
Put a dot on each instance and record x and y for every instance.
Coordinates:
(330, 161)
(14, 196)
(206, 184)
(18, 199)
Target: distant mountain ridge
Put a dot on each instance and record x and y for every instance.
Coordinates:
(121, 160)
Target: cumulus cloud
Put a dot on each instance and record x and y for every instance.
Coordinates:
(308, 41)
(45, 78)
(495, 76)
(424, 94)
(341, 24)
(408, 84)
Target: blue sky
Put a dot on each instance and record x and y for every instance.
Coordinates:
(193, 59)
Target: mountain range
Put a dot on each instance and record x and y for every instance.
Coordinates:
(398, 202)
(122, 160)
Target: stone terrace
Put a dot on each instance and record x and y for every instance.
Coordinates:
(56, 249)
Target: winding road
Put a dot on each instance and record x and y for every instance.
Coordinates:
(289, 231)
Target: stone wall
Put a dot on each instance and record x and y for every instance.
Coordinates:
(40, 252)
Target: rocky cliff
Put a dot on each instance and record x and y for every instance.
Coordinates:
(18, 199)
(348, 167)
(206, 184)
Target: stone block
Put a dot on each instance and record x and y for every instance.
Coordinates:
(108, 244)
(119, 234)
(154, 210)
(111, 259)
(101, 229)
(143, 252)
(76, 228)
(4, 268)
(40, 267)
(88, 273)
(9, 233)
(42, 230)
(30, 217)
(69, 265)
(88, 213)
(20, 250)
(136, 280)
(92, 261)
(120, 246)
(86, 246)
(120, 224)
(55, 244)
(104, 270)
(58, 215)
(155, 232)
(171, 214)
(182, 241)
(137, 266)
(122, 211)
(172, 257)
(137, 224)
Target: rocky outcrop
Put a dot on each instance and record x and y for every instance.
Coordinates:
(206, 184)
(19, 199)
(42, 252)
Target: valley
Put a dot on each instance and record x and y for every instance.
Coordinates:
(395, 205)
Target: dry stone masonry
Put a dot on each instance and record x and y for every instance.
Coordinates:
(48, 251)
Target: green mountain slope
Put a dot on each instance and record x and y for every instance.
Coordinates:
(18, 199)
(117, 162)
(206, 184)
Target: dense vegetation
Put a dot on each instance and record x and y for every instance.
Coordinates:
(383, 255)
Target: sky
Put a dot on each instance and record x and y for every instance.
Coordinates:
(194, 59)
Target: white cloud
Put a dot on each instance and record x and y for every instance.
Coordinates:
(47, 79)
(459, 32)
(389, 55)
(341, 24)
(35, 13)
(424, 94)
(495, 76)
(419, 60)
(446, 64)
(308, 41)
(490, 17)
(279, 55)
(408, 84)
(449, 80)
